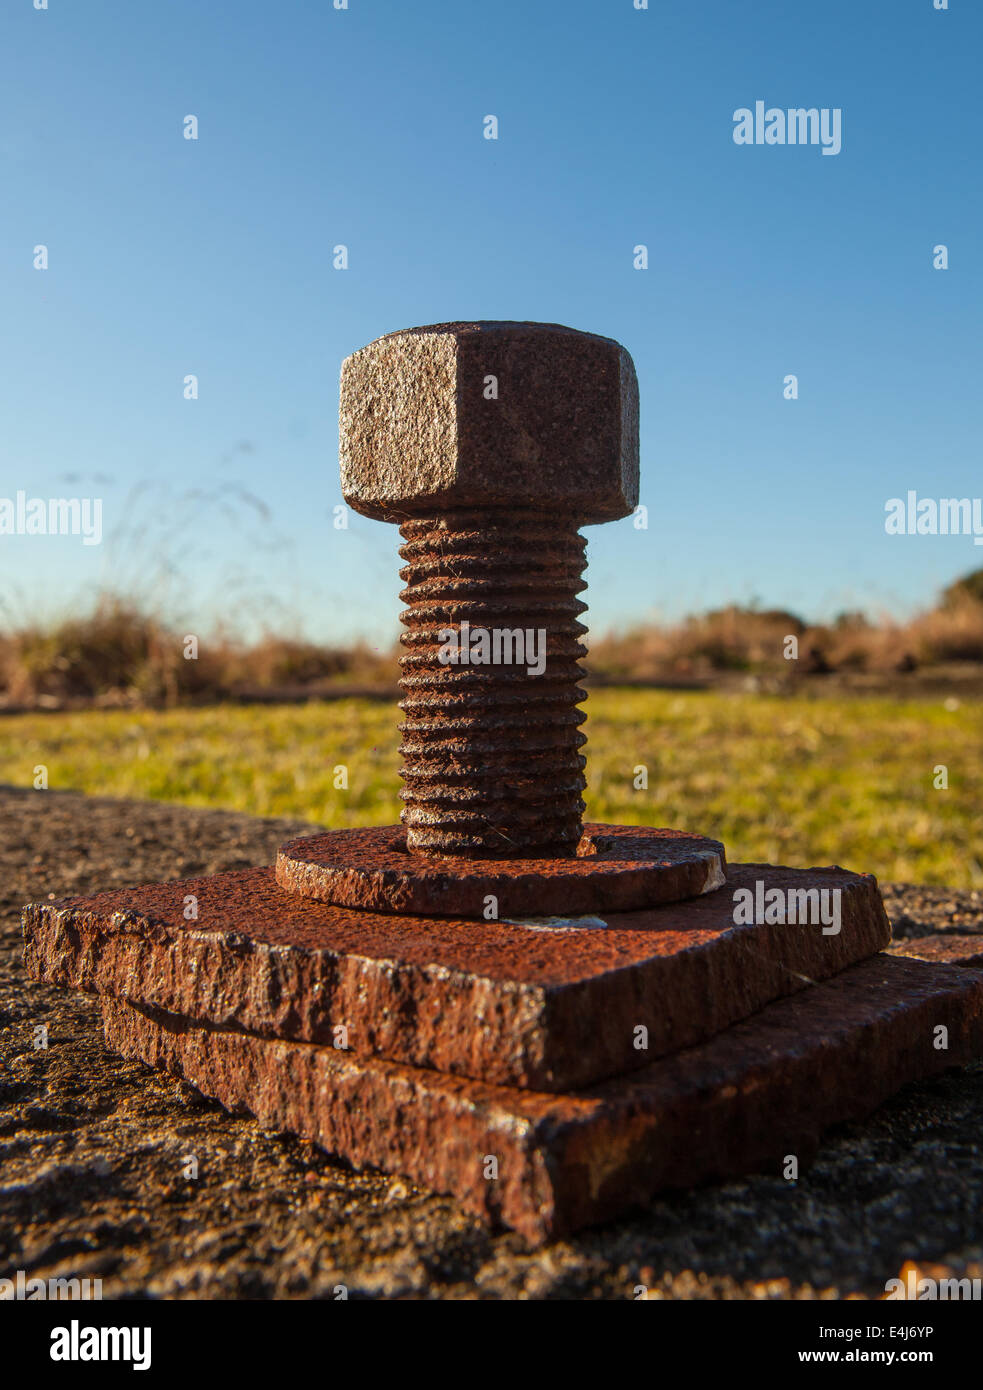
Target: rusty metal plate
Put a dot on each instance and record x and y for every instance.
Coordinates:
(546, 1003)
(758, 1092)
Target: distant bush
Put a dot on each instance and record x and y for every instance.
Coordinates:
(970, 586)
(754, 640)
(119, 654)
(953, 632)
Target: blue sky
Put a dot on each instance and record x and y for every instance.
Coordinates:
(364, 127)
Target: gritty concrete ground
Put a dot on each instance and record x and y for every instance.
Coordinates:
(94, 1149)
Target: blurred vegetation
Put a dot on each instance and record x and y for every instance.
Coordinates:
(840, 779)
(832, 777)
(753, 640)
(119, 654)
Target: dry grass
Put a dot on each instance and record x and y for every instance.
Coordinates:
(120, 654)
(743, 639)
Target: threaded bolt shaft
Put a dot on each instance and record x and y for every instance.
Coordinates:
(492, 763)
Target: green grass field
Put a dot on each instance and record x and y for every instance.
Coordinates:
(833, 780)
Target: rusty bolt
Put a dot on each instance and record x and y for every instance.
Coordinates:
(490, 444)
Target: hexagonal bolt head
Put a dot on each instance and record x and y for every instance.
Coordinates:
(496, 414)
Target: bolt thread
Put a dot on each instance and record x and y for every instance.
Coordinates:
(492, 765)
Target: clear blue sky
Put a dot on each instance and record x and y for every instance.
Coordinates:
(364, 127)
